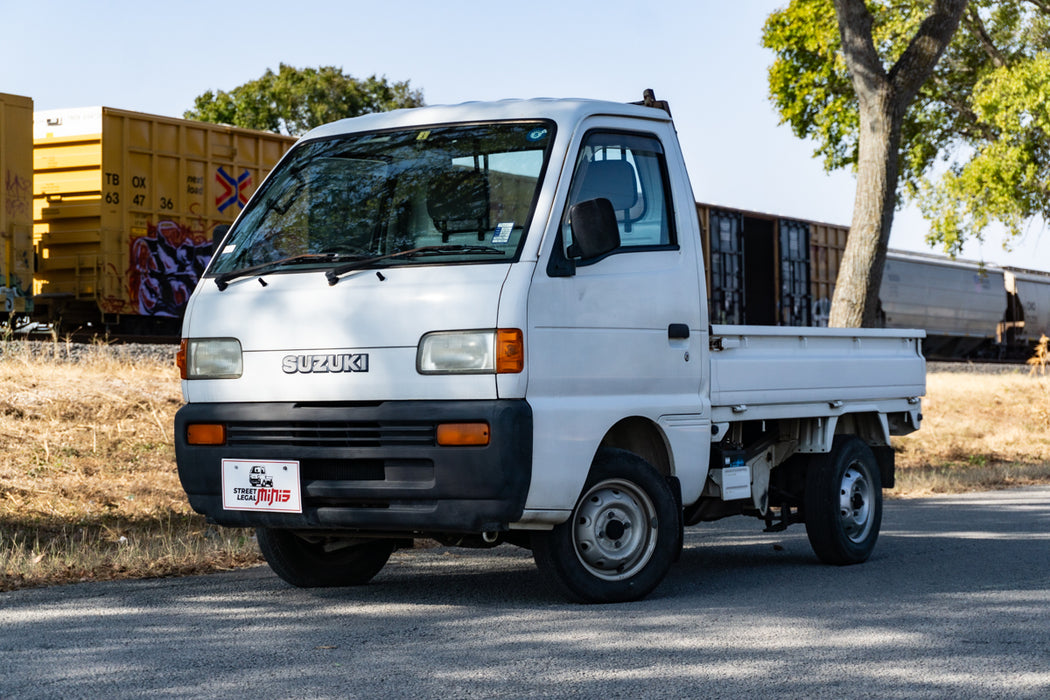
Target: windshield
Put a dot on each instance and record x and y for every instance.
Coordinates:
(464, 191)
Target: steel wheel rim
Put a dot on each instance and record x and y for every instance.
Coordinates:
(614, 530)
(855, 503)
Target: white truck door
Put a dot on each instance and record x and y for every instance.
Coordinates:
(620, 336)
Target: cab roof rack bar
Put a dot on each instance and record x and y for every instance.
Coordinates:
(649, 100)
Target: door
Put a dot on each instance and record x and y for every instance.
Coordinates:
(620, 336)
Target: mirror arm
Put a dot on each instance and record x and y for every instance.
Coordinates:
(557, 264)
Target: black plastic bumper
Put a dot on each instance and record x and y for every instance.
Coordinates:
(373, 468)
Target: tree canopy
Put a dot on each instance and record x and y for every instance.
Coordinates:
(975, 142)
(295, 100)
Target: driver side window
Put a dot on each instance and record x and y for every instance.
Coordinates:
(630, 171)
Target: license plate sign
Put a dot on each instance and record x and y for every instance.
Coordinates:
(258, 484)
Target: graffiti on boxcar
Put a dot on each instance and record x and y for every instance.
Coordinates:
(12, 299)
(18, 195)
(165, 266)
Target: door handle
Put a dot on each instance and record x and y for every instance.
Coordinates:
(678, 331)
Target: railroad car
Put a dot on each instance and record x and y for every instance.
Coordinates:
(924, 291)
(16, 205)
(124, 207)
(1028, 304)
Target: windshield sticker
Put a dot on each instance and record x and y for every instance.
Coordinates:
(502, 234)
(537, 134)
(229, 249)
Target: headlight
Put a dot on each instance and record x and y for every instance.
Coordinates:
(211, 358)
(499, 350)
(459, 352)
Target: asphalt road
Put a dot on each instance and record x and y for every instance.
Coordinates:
(954, 603)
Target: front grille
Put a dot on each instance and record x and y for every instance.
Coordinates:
(331, 434)
(342, 470)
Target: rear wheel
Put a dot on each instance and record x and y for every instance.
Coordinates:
(322, 562)
(622, 537)
(843, 502)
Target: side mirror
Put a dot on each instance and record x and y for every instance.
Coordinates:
(594, 229)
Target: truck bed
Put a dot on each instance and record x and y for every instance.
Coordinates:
(766, 372)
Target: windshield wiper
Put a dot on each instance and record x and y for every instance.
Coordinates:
(223, 280)
(458, 249)
(334, 274)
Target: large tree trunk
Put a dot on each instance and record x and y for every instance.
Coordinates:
(855, 302)
(883, 97)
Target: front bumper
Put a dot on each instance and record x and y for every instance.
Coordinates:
(368, 467)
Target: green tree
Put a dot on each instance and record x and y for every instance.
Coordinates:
(973, 144)
(1000, 170)
(853, 91)
(295, 100)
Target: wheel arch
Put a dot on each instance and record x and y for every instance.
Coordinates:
(871, 427)
(817, 433)
(644, 438)
(874, 429)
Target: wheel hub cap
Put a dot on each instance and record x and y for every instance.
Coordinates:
(614, 531)
(855, 498)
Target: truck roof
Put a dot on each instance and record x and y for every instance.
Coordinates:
(561, 111)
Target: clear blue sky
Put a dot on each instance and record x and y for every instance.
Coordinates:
(703, 56)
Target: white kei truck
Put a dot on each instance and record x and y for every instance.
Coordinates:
(488, 323)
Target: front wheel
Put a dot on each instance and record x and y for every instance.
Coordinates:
(843, 502)
(622, 537)
(322, 562)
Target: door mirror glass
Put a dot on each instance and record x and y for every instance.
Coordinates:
(594, 229)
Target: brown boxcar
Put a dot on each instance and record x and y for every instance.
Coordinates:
(765, 269)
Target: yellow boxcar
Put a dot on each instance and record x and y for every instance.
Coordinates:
(16, 206)
(124, 207)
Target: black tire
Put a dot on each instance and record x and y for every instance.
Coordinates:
(843, 502)
(322, 563)
(621, 539)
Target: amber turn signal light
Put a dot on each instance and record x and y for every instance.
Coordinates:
(206, 434)
(510, 351)
(180, 359)
(449, 434)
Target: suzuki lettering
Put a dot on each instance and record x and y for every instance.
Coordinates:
(325, 364)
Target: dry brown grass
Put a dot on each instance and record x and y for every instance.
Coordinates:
(89, 491)
(981, 431)
(88, 488)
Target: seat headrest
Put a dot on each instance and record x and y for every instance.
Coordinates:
(612, 179)
(458, 200)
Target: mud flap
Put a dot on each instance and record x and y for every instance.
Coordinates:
(676, 489)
